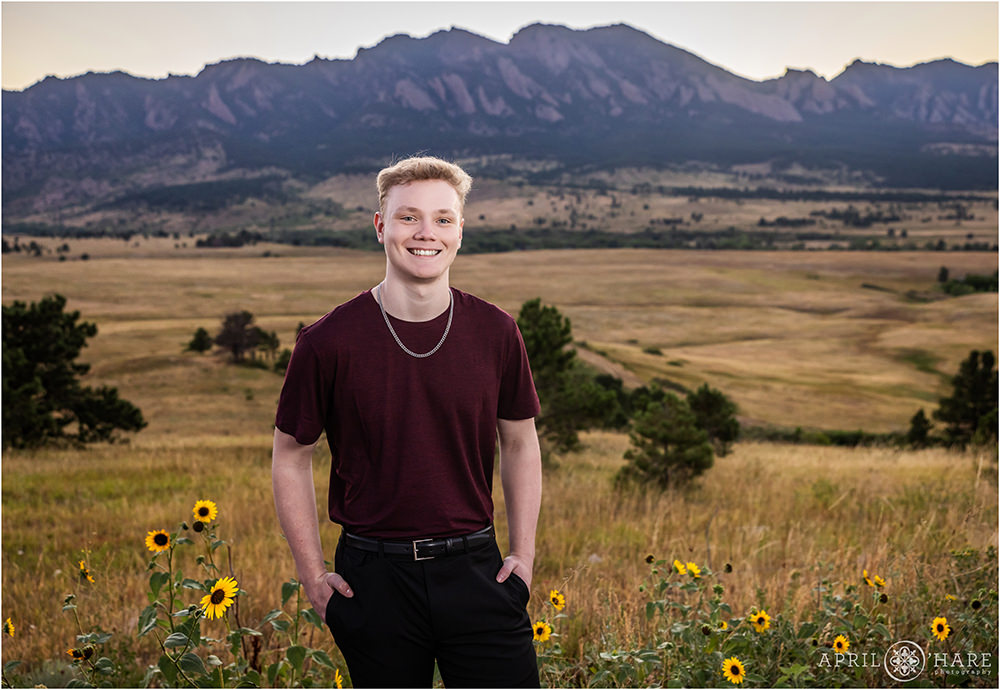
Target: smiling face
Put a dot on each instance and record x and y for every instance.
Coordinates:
(421, 230)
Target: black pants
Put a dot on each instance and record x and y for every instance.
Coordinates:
(406, 614)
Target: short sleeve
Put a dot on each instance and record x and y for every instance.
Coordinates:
(517, 399)
(302, 405)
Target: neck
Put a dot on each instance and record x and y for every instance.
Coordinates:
(414, 302)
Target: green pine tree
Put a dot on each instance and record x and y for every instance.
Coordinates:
(716, 414)
(668, 448)
(971, 409)
(43, 401)
(201, 342)
(570, 397)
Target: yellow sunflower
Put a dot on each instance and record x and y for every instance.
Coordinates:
(868, 580)
(761, 621)
(693, 570)
(205, 511)
(557, 599)
(732, 669)
(158, 540)
(8, 627)
(220, 597)
(841, 644)
(679, 567)
(950, 597)
(338, 679)
(723, 626)
(940, 628)
(879, 582)
(81, 654)
(85, 572)
(542, 631)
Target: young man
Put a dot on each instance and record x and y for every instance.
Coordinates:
(413, 382)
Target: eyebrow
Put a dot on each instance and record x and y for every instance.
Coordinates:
(412, 209)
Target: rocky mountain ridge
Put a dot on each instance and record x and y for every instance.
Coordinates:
(611, 96)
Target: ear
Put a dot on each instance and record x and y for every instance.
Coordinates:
(379, 227)
(461, 230)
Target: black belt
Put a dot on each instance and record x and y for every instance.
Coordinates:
(422, 549)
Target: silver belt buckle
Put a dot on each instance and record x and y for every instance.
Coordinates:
(415, 556)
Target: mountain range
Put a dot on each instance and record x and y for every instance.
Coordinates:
(605, 97)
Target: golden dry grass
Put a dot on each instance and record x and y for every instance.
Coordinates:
(793, 337)
(784, 517)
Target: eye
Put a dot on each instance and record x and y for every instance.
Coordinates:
(444, 220)
(407, 218)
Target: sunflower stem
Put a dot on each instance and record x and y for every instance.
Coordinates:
(170, 586)
(298, 605)
(174, 660)
(76, 616)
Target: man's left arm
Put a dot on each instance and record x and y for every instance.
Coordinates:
(521, 476)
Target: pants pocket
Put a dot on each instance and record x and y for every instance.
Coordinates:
(521, 589)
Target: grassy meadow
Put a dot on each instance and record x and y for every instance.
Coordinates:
(825, 340)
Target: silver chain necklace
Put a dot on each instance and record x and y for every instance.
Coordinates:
(411, 353)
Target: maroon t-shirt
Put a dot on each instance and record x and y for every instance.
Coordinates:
(412, 440)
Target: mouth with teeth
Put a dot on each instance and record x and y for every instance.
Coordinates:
(425, 252)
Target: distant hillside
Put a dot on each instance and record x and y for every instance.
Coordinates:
(607, 97)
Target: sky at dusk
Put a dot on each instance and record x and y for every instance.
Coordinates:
(758, 40)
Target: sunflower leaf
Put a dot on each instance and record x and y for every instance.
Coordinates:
(213, 660)
(250, 680)
(176, 639)
(188, 583)
(272, 673)
(322, 658)
(168, 669)
(192, 663)
(157, 580)
(880, 629)
(183, 540)
(280, 626)
(93, 638)
(78, 683)
(287, 591)
(192, 628)
(650, 609)
(600, 679)
(296, 655)
(313, 617)
(105, 665)
(10, 666)
(807, 630)
(271, 615)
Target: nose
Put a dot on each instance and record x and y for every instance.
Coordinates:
(425, 230)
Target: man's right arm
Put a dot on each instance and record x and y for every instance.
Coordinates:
(295, 502)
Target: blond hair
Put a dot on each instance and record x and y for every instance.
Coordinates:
(422, 168)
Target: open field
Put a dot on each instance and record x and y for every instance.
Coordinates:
(822, 340)
(813, 339)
